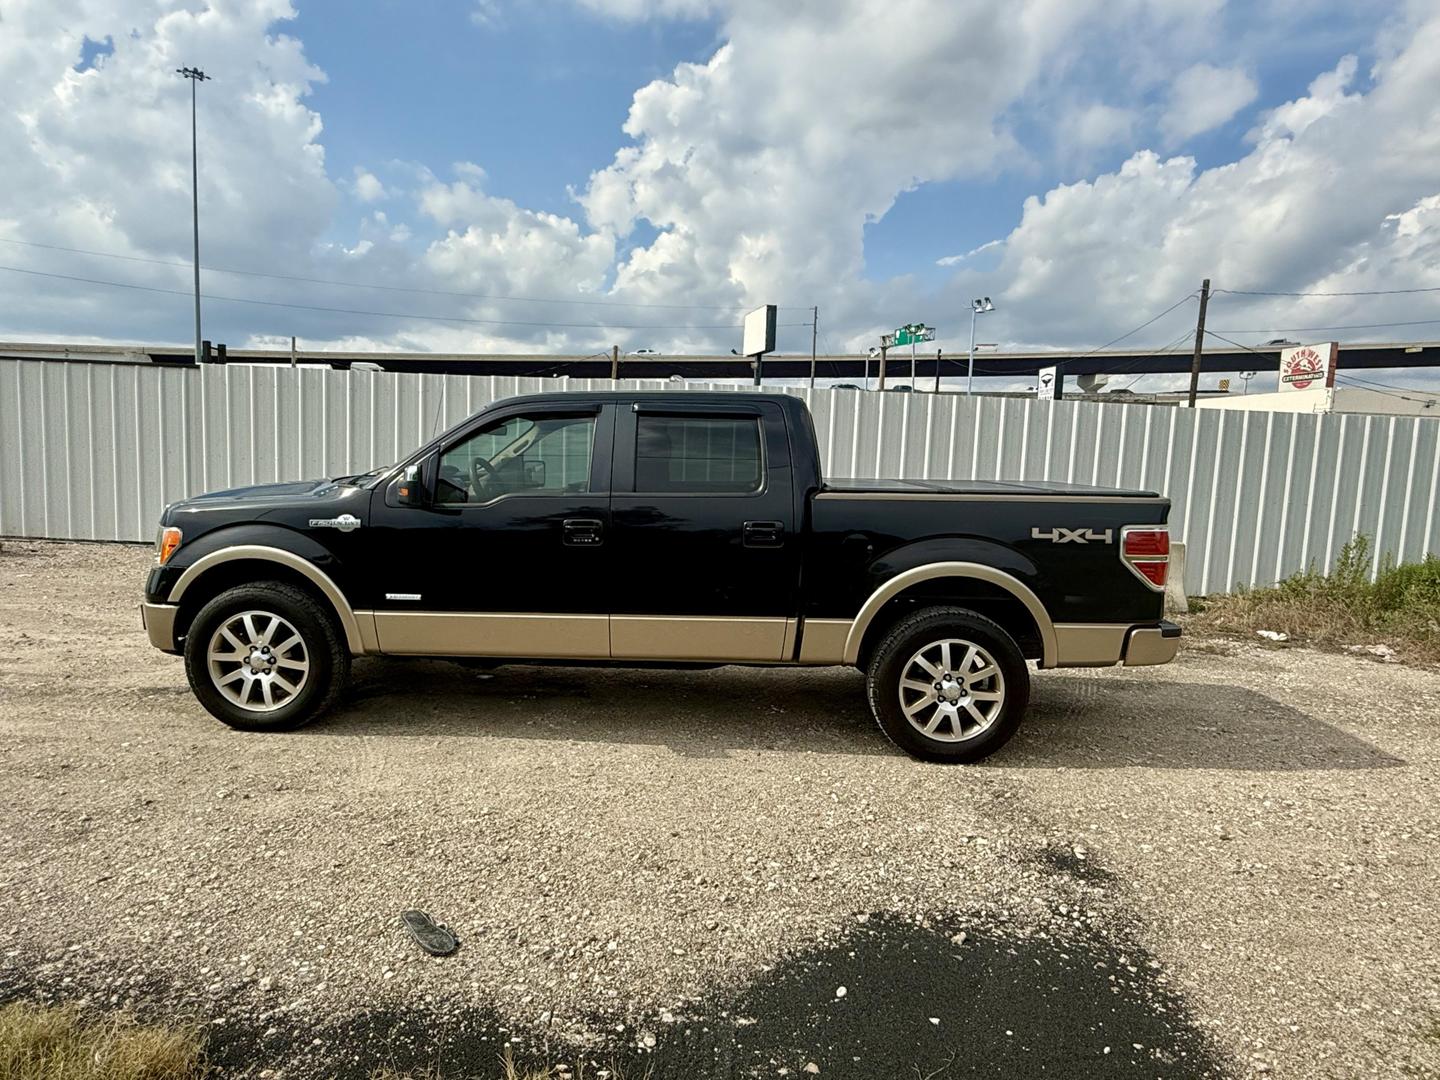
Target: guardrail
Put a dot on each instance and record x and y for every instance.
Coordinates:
(93, 451)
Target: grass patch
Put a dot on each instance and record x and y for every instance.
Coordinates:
(1400, 608)
(47, 1043)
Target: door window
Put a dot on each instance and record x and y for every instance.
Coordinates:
(520, 455)
(697, 454)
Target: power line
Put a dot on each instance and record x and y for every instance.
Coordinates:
(379, 314)
(373, 285)
(1345, 326)
(1142, 326)
(1428, 401)
(1365, 292)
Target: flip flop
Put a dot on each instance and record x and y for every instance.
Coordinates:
(435, 938)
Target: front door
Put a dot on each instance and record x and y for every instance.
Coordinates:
(511, 556)
(704, 536)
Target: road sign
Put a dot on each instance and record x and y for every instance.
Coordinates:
(1225, 385)
(914, 334)
(1045, 384)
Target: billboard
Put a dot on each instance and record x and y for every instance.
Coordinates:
(1308, 367)
(759, 337)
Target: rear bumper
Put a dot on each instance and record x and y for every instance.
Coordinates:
(1152, 644)
(1108, 644)
(159, 623)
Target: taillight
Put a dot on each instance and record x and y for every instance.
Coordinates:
(167, 543)
(1145, 549)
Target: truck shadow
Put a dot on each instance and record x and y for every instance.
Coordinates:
(1074, 721)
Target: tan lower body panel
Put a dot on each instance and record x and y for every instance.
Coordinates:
(436, 633)
(665, 637)
(1089, 644)
(822, 641)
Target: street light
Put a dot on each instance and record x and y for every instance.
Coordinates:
(195, 75)
(977, 308)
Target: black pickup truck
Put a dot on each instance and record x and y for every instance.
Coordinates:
(661, 529)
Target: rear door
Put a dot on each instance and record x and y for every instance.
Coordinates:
(704, 538)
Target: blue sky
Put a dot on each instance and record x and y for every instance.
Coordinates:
(659, 166)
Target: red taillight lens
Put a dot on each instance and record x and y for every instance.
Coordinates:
(1147, 542)
(1153, 572)
(1146, 551)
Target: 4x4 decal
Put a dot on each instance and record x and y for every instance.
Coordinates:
(1074, 536)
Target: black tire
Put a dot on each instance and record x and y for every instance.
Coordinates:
(322, 648)
(929, 627)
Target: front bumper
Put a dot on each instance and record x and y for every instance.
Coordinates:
(159, 623)
(1152, 644)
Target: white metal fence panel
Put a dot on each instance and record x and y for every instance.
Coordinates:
(92, 451)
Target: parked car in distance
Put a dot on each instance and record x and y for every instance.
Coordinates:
(643, 352)
(534, 530)
(902, 388)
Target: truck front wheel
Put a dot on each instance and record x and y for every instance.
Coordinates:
(265, 657)
(948, 685)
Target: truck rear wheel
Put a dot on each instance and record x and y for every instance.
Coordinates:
(265, 657)
(948, 685)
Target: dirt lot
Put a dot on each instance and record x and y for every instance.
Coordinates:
(1221, 867)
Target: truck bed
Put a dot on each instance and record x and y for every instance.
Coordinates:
(1010, 488)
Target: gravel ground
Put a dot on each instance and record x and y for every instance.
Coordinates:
(1224, 866)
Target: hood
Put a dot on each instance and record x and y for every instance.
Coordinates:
(253, 493)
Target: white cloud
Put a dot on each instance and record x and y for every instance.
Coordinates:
(1203, 97)
(956, 260)
(1338, 194)
(747, 177)
(367, 186)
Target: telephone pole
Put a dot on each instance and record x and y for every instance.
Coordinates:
(1199, 341)
(195, 75)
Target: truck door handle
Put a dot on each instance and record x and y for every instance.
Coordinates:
(582, 532)
(763, 534)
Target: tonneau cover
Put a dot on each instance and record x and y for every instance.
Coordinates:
(1034, 488)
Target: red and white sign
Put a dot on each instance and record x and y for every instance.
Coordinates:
(1305, 367)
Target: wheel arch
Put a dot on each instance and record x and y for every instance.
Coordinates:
(887, 602)
(212, 574)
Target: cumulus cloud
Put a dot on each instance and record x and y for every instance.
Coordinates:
(747, 176)
(1338, 194)
(367, 186)
(1203, 97)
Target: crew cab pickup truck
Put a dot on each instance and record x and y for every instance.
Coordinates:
(661, 529)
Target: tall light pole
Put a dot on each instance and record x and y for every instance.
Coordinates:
(977, 308)
(195, 75)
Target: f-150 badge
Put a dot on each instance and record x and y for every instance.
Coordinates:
(1074, 536)
(345, 523)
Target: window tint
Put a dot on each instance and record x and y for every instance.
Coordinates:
(539, 455)
(684, 453)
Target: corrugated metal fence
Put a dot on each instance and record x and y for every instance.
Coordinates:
(93, 451)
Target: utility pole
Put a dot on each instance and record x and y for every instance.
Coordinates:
(938, 354)
(912, 362)
(294, 360)
(814, 333)
(195, 75)
(1199, 342)
(883, 350)
(614, 362)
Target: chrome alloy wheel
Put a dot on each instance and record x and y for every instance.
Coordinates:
(257, 660)
(951, 690)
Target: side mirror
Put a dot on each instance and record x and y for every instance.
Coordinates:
(535, 474)
(410, 491)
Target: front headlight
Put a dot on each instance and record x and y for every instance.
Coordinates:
(166, 543)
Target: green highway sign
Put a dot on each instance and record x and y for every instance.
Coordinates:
(913, 334)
